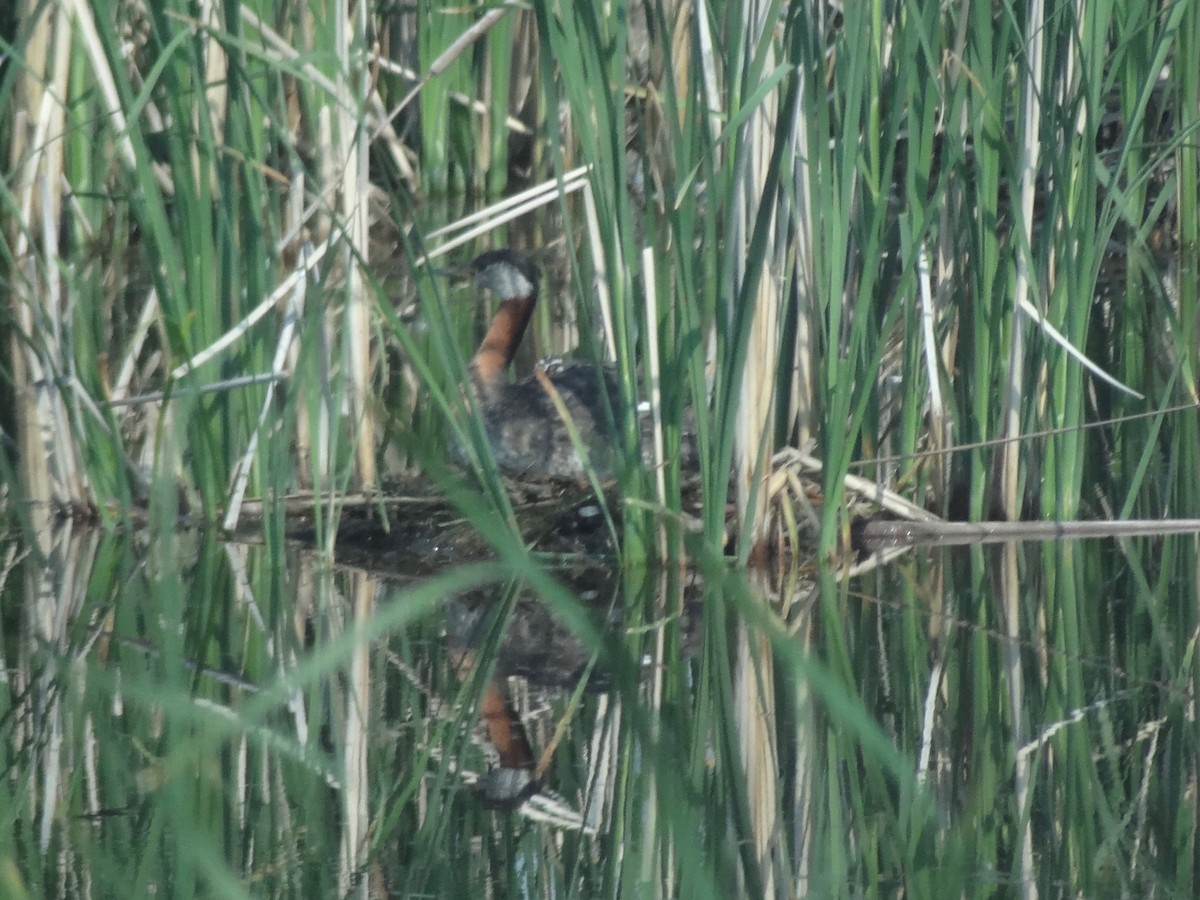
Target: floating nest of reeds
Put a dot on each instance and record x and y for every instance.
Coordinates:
(412, 527)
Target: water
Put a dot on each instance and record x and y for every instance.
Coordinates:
(184, 715)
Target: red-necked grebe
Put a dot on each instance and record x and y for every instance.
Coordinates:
(527, 433)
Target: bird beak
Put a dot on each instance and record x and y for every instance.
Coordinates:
(457, 274)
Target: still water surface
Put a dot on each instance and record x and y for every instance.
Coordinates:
(184, 716)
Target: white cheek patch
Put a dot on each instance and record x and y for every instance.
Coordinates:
(509, 282)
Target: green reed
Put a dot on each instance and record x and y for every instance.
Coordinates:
(895, 111)
(901, 134)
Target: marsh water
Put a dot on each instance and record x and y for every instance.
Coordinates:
(186, 716)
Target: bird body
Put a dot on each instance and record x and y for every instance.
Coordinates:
(528, 434)
(522, 419)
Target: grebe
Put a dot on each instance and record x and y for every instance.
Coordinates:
(522, 422)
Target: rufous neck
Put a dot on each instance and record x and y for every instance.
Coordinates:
(490, 363)
(505, 729)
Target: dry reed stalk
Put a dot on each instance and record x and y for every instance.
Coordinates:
(51, 470)
(491, 217)
(1030, 151)
(804, 752)
(285, 289)
(654, 851)
(216, 93)
(359, 724)
(485, 24)
(146, 318)
(678, 14)
(710, 73)
(294, 217)
(283, 353)
(603, 296)
(756, 403)
(801, 414)
(603, 754)
(654, 393)
(93, 47)
(756, 710)
(1014, 677)
(55, 592)
(1010, 580)
(512, 123)
(278, 49)
(939, 420)
(355, 188)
